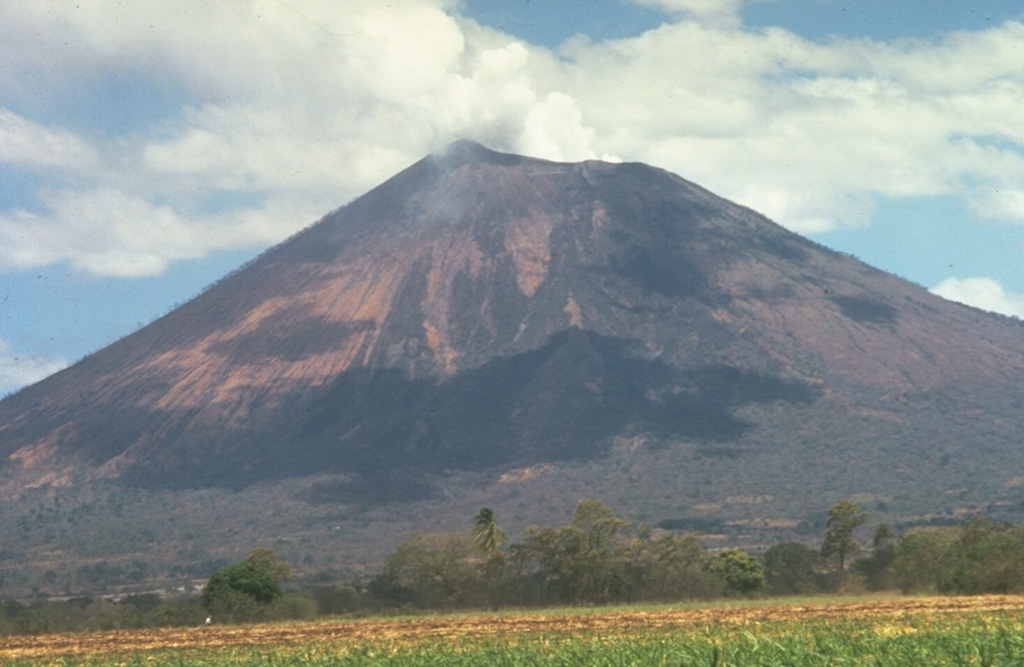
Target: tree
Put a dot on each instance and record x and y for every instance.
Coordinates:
(498, 583)
(979, 556)
(580, 561)
(925, 560)
(267, 559)
(740, 572)
(486, 532)
(843, 519)
(679, 568)
(990, 557)
(667, 568)
(598, 569)
(877, 568)
(438, 569)
(790, 568)
(241, 589)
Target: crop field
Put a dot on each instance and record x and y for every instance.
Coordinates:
(984, 630)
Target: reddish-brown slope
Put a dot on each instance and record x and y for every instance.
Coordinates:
(480, 310)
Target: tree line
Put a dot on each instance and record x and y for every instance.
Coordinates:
(597, 558)
(601, 558)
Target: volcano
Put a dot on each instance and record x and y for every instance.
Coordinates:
(496, 315)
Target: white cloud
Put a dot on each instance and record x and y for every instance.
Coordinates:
(1005, 203)
(984, 293)
(108, 232)
(303, 105)
(23, 142)
(726, 11)
(554, 129)
(810, 132)
(16, 371)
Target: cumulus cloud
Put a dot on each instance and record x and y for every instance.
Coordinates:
(17, 371)
(810, 132)
(23, 142)
(984, 293)
(108, 232)
(301, 106)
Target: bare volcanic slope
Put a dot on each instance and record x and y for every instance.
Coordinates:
(485, 312)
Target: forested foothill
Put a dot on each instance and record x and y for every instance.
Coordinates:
(598, 558)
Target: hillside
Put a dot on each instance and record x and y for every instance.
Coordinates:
(486, 328)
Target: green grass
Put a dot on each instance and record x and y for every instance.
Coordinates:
(989, 639)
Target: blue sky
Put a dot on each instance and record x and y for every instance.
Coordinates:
(147, 149)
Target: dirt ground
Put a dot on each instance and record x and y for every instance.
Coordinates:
(340, 631)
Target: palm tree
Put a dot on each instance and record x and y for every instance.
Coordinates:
(487, 533)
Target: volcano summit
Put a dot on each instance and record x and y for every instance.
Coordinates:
(599, 326)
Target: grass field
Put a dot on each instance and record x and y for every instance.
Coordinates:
(985, 630)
